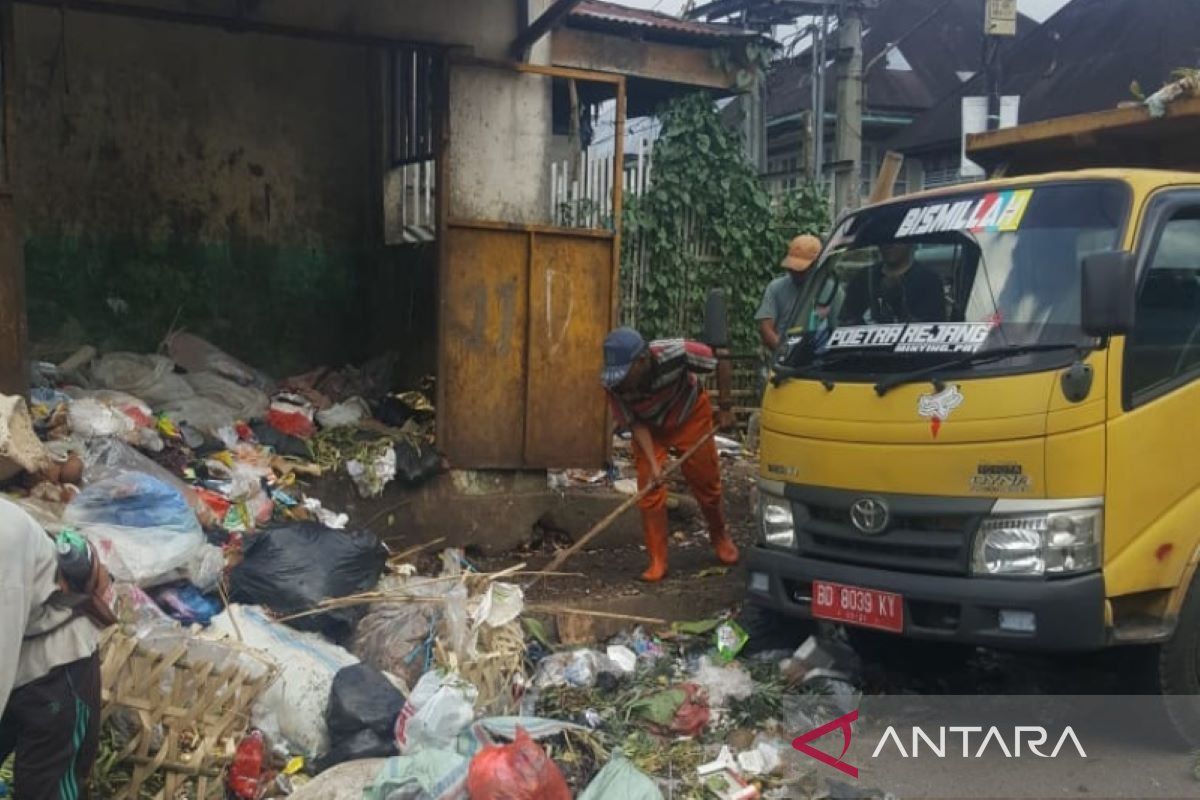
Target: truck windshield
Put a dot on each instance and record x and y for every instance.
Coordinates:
(915, 283)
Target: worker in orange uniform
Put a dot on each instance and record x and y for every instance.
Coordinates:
(654, 392)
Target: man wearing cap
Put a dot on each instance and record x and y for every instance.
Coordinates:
(779, 310)
(780, 306)
(653, 390)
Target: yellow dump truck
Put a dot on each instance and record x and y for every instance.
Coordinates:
(986, 427)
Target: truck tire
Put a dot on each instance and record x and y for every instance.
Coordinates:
(1178, 667)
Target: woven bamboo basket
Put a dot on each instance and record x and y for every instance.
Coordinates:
(189, 713)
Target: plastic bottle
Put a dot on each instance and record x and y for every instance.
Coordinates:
(74, 559)
(246, 772)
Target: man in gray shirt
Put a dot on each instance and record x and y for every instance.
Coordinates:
(780, 307)
(49, 666)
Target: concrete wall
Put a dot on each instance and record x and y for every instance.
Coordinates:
(166, 171)
(500, 133)
(233, 183)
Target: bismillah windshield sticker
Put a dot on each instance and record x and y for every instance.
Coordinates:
(995, 212)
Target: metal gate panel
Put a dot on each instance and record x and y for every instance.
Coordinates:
(570, 294)
(484, 309)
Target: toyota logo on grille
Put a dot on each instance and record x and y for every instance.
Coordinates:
(869, 515)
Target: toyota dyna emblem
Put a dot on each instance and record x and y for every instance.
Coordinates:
(869, 515)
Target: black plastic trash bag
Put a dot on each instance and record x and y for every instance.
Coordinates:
(416, 463)
(364, 744)
(362, 699)
(293, 568)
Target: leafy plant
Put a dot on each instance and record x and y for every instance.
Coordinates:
(704, 188)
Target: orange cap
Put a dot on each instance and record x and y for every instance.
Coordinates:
(802, 252)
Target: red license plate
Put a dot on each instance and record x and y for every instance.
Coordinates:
(868, 608)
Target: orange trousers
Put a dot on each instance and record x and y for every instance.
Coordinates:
(702, 472)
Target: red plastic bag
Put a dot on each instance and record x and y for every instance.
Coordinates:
(517, 771)
(292, 415)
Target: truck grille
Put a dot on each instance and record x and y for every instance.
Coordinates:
(920, 535)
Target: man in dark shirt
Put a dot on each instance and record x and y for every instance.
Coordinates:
(895, 290)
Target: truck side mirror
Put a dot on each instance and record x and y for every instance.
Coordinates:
(716, 320)
(1109, 290)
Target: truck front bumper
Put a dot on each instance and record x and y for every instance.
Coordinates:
(1069, 612)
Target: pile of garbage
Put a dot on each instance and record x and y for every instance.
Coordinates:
(190, 474)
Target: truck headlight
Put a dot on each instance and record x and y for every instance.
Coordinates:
(1058, 543)
(775, 522)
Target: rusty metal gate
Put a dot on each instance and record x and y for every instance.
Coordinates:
(523, 310)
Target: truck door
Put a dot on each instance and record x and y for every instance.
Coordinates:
(1154, 435)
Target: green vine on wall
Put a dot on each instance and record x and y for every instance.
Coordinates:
(701, 173)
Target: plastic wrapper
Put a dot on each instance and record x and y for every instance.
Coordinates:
(291, 414)
(246, 402)
(371, 478)
(197, 355)
(90, 418)
(293, 707)
(576, 668)
(293, 568)
(187, 604)
(438, 708)
(149, 377)
(142, 528)
(349, 412)
(108, 458)
(722, 684)
(202, 413)
(517, 771)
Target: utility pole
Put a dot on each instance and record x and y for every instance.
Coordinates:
(1000, 19)
(848, 144)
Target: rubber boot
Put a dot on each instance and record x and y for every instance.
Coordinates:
(723, 546)
(654, 527)
(718, 534)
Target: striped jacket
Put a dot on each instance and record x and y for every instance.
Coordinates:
(672, 390)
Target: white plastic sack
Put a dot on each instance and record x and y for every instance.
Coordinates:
(294, 706)
(202, 413)
(621, 780)
(149, 377)
(438, 708)
(246, 402)
(196, 355)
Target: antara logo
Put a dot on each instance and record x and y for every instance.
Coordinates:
(843, 722)
(1033, 736)
(1023, 738)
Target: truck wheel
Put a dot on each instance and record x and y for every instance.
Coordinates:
(1179, 668)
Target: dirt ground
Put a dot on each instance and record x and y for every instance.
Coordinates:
(607, 579)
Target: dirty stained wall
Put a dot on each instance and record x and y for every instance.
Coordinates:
(169, 173)
(500, 134)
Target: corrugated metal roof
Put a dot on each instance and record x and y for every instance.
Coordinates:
(597, 13)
